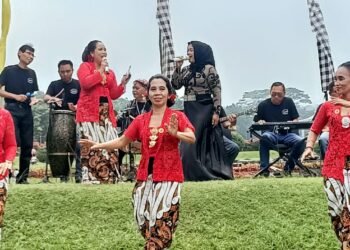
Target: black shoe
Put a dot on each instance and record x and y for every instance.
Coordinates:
(266, 173)
(22, 182)
(287, 172)
(306, 174)
(64, 179)
(78, 180)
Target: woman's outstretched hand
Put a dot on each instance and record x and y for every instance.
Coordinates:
(4, 166)
(173, 125)
(88, 143)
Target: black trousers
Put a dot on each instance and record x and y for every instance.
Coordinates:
(23, 121)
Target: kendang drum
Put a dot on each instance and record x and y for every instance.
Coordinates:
(61, 141)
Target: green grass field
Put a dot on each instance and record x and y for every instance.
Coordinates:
(254, 155)
(286, 213)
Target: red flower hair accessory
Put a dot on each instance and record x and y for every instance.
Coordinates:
(172, 97)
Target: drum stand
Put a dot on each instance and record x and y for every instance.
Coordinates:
(132, 173)
(45, 179)
(46, 176)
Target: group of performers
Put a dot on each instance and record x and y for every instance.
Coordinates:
(175, 146)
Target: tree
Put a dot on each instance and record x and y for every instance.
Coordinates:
(41, 121)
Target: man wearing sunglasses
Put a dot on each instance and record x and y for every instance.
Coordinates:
(278, 108)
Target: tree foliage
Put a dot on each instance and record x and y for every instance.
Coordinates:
(41, 119)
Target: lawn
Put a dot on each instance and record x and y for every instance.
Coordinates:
(254, 155)
(286, 213)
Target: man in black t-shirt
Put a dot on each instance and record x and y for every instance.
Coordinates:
(20, 84)
(63, 94)
(278, 108)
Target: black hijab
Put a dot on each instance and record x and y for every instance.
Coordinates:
(203, 55)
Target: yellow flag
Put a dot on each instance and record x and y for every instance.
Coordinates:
(5, 26)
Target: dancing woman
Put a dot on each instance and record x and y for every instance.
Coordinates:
(156, 196)
(336, 165)
(8, 149)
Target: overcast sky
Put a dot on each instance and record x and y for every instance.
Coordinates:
(255, 42)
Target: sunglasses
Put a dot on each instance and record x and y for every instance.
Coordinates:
(274, 94)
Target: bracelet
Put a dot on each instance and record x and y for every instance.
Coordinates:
(312, 148)
(217, 110)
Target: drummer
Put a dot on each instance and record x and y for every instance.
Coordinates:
(135, 107)
(63, 94)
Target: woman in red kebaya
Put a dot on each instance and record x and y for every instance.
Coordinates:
(336, 165)
(8, 149)
(95, 115)
(156, 196)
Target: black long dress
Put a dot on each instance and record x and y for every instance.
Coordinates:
(203, 160)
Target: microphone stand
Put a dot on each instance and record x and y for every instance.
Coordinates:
(131, 174)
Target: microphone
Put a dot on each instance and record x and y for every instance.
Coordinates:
(179, 58)
(106, 68)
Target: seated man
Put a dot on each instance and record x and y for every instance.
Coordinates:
(231, 148)
(278, 108)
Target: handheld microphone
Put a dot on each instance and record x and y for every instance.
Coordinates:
(106, 68)
(179, 58)
(28, 94)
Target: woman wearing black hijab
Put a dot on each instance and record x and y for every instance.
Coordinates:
(203, 160)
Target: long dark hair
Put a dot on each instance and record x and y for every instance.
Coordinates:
(171, 90)
(86, 56)
(345, 65)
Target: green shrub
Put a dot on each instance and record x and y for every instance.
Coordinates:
(41, 154)
(238, 138)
